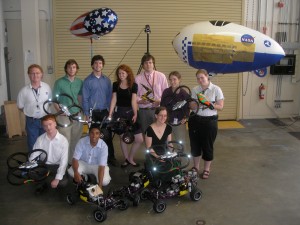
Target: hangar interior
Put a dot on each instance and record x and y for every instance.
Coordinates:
(254, 179)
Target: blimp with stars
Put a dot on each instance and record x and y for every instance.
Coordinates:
(225, 47)
(95, 23)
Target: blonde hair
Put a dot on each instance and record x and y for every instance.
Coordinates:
(203, 71)
(34, 66)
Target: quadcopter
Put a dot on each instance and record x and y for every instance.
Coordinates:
(184, 105)
(24, 168)
(64, 109)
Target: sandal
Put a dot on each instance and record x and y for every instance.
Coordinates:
(195, 169)
(134, 165)
(205, 174)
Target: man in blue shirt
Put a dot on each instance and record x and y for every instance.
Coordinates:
(96, 95)
(90, 158)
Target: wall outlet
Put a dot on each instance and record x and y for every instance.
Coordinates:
(50, 69)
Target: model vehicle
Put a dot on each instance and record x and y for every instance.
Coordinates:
(92, 193)
(138, 181)
(173, 181)
(181, 184)
(26, 168)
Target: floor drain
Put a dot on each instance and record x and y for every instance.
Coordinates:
(200, 222)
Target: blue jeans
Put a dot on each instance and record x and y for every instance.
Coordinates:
(33, 129)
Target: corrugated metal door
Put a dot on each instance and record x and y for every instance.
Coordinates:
(127, 43)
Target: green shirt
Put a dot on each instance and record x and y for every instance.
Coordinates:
(64, 86)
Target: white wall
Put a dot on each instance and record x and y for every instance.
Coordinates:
(29, 40)
(268, 15)
(3, 84)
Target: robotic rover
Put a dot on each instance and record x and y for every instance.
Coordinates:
(181, 183)
(92, 193)
(138, 181)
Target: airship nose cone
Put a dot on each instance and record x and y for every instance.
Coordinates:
(176, 42)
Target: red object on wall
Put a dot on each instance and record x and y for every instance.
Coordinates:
(280, 4)
(262, 91)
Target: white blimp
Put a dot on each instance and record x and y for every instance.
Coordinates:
(225, 47)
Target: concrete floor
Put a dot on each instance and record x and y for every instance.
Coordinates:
(254, 180)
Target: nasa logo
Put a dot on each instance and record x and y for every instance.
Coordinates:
(261, 72)
(247, 38)
(267, 43)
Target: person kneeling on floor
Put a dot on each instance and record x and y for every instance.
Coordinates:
(56, 146)
(90, 157)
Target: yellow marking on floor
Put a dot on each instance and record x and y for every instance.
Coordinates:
(229, 124)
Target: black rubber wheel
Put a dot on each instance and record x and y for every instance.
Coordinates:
(38, 173)
(104, 135)
(131, 176)
(100, 215)
(196, 194)
(136, 200)
(17, 176)
(128, 137)
(145, 194)
(159, 206)
(16, 159)
(123, 205)
(70, 199)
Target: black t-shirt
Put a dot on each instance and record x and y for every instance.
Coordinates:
(159, 145)
(124, 95)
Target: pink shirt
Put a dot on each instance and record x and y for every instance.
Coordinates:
(156, 81)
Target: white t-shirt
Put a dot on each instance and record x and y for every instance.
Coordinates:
(213, 93)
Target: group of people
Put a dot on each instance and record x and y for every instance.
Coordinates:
(143, 100)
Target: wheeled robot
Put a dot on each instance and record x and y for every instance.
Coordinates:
(92, 193)
(181, 184)
(138, 181)
(174, 182)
